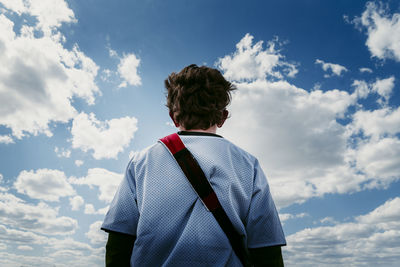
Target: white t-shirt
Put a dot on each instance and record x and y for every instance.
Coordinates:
(156, 203)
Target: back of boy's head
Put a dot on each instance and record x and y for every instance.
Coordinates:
(198, 96)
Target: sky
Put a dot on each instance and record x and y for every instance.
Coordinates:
(318, 103)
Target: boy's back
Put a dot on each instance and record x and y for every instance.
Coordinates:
(156, 203)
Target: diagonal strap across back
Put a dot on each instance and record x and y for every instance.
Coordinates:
(202, 187)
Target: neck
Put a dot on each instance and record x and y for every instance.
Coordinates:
(212, 129)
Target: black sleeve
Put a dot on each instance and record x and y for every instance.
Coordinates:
(119, 249)
(267, 256)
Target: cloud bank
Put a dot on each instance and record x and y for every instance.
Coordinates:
(383, 31)
(304, 149)
(106, 139)
(38, 76)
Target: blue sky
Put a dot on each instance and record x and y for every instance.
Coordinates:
(81, 89)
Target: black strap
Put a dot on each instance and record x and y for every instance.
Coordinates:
(201, 185)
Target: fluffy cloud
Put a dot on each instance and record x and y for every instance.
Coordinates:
(39, 218)
(373, 238)
(383, 31)
(95, 235)
(50, 14)
(376, 123)
(251, 62)
(20, 237)
(74, 253)
(377, 154)
(336, 69)
(382, 87)
(299, 141)
(38, 76)
(105, 180)
(294, 133)
(89, 209)
(57, 252)
(127, 69)
(44, 184)
(287, 216)
(380, 159)
(6, 139)
(106, 139)
(365, 70)
(384, 217)
(76, 202)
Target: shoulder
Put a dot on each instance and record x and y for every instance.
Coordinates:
(146, 153)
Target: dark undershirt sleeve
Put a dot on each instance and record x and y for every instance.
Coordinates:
(119, 249)
(267, 256)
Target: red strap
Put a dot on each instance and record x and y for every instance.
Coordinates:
(173, 142)
(202, 187)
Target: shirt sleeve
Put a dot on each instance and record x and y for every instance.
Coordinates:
(123, 214)
(263, 225)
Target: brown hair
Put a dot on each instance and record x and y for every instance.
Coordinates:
(198, 96)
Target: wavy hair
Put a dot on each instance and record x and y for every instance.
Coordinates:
(197, 96)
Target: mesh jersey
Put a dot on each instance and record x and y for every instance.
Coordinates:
(156, 203)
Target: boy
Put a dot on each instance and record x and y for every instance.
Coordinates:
(157, 219)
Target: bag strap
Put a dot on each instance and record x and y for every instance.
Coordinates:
(202, 187)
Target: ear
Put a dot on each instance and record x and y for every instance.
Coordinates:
(172, 118)
(224, 117)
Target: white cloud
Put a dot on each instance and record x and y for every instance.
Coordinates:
(56, 252)
(365, 70)
(39, 218)
(373, 239)
(328, 220)
(336, 69)
(383, 31)
(79, 162)
(376, 123)
(44, 184)
(384, 88)
(362, 89)
(25, 248)
(128, 70)
(62, 152)
(252, 62)
(13, 236)
(50, 14)
(38, 90)
(95, 235)
(380, 159)
(287, 216)
(300, 143)
(105, 180)
(294, 133)
(386, 216)
(89, 209)
(6, 139)
(106, 139)
(76, 202)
